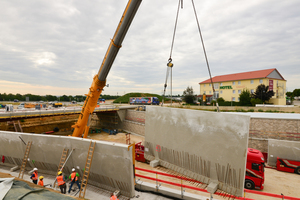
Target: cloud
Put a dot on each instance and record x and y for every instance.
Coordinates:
(62, 44)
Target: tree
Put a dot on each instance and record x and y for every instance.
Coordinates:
(296, 92)
(188, 95)
(262, 92)
(245, 98)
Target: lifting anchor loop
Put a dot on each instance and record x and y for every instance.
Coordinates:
(170, 64)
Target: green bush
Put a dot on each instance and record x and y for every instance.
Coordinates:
(260, 110)
(219, 100)
(256, 101)
(251, 110)
(229, 103)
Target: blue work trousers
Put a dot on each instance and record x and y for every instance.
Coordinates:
(77, 182)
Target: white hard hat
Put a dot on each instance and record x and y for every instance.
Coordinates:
(35, 169)
(73, 170)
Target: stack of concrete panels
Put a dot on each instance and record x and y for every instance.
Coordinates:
(112, 164)
(206, 146)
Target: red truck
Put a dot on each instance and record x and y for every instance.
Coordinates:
(255, 170)
(286, 165)
(255, 175)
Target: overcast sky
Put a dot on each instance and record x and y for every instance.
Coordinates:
(56, 47)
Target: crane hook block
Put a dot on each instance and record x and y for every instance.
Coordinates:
(170, 64)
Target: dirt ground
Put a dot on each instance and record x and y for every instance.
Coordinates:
(276, 182)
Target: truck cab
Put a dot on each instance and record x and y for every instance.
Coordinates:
(255, 171)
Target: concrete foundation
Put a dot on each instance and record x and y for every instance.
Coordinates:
(206, 146)
(112, 164)
(283, 149)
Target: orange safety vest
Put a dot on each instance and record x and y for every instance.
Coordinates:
(35, 176)
(60, 180)
(41, 183)
(74, 175)
(114, 198)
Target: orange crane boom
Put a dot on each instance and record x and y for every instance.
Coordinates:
(99, 81)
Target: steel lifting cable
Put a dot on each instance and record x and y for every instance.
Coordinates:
(170, 64)
(212, 84)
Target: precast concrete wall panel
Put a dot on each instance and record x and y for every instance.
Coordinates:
(283, 149)
(112, 164)
(207, 146)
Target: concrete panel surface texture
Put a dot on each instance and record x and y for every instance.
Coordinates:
(207, 146)
(283, 149)
(111, 169)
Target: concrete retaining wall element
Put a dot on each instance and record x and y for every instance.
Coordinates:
(283, 149)
(206, 146)
(111, 169)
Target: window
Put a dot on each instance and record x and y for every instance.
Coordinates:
(221, 84)
(239, 99)
(239, 91)
(233, 83)
(252, 91)
(233, 91)
(233, 98)
(221, 92)
(204, 85)
(209, 85)
(239, 82)
(209, 92)
(204, 92)
(216, 85)
(260, 81)
(255, 166)
(251, 81)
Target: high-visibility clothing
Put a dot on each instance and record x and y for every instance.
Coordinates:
(73, 175)
(41, 183)
(35, 177)
(60, 180)
(114, 198)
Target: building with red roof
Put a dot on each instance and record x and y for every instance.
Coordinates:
(230, 86)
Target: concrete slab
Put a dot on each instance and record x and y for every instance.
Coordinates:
(154, 163)
(210, 145)
(283, 149)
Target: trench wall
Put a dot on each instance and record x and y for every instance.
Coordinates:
(260, 130)
(283, 149)
(201, 145)
(112, 164)
(129, 120)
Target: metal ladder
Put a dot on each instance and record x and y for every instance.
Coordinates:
(16, 128)
(25, 159)
(62, 162)
(87, 169)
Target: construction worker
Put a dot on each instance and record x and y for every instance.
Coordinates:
(41, 181)
(61, 182)
(74, 179)
(34, 176)
(113, 197)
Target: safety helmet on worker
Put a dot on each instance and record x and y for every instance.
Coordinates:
(41, 177)
(73, 170)
(35, 169)
(59, 173)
